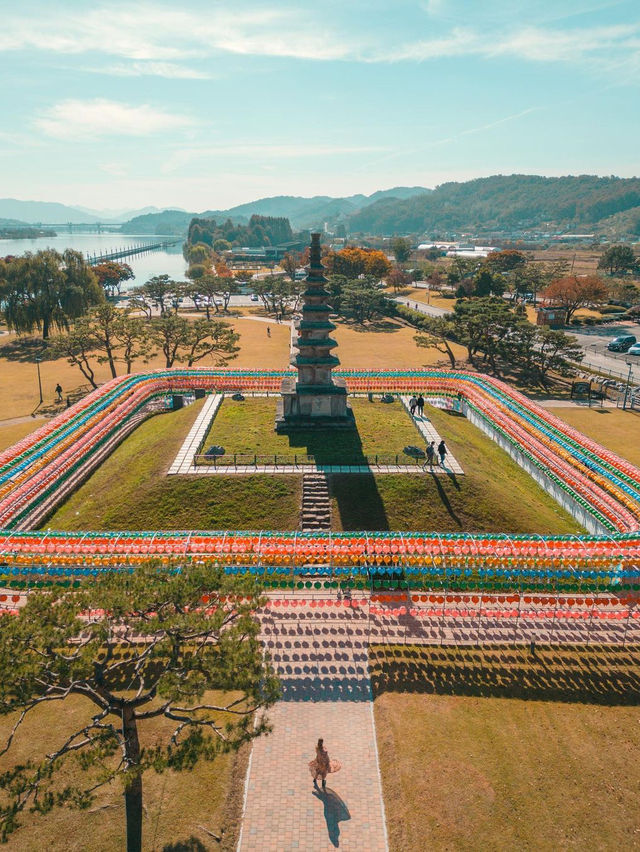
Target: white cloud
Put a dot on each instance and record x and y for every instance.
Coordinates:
(149, 32)
(153, 39)
(113, 169)
(533, 44)
(73, 119)
(170, 70)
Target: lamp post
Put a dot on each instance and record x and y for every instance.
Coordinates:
(38, 359)
(626, 390)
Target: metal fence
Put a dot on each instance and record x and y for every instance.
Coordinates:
(303, 459)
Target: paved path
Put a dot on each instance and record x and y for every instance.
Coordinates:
(423, 307)
(183, 462)
(429, 433)
(324, 670)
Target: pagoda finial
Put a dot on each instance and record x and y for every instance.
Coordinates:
(315, 270)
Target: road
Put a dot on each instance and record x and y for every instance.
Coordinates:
(422, 307)
(593, 339)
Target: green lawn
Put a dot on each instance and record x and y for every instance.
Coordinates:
(247, 428)
(130, 490)
(489, 749)
(494, 495)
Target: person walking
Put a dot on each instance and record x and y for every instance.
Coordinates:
(59, 392)
(431, 453)
(268, 331)
(420, 405)
(442, 451)
(413, 402)
(321, 766)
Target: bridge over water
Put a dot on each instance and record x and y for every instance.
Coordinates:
(129, 251)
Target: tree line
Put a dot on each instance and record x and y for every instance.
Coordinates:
(62, 297)
(261, 231)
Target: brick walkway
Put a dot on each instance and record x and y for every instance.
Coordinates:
(326, 693)
(319, 647)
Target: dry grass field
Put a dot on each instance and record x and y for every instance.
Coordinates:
(11, 433)
(614, 428)
(388, 344)
(177, 806)
(581, 259)
(487, 748)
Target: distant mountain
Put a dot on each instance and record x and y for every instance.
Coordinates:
(312, 212)
(167, 222)
(44, 212)
(509, 203)
(301, 212)
(50, 212)
(120, 214)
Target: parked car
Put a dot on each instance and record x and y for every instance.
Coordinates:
(622, 343)
(634, 350)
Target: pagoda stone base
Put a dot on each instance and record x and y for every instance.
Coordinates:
(309, 407)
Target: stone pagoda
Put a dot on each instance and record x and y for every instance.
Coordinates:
(314, 399)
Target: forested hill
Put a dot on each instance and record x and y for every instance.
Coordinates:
(261, 231)
(509, 203)
(301, 212)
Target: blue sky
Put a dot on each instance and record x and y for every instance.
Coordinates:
(209, 104)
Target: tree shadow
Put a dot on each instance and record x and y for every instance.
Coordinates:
(193, 844)
(373, 327)
(335, 812)
(588, 674)
(25, 349)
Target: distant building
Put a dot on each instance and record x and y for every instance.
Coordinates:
(553, 317)
(457, 249)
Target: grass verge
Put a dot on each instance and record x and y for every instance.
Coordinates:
(489, 749)
(11, 433)
(613, 428)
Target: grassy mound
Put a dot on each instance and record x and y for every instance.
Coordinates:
(247, 428)
(494, 495)
(130, 490)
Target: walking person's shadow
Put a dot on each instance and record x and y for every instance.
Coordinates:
(335, 812)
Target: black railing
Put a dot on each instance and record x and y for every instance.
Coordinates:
(303, 459)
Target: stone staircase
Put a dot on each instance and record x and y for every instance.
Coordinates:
(316, 505)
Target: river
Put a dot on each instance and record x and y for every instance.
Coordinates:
(167, 261)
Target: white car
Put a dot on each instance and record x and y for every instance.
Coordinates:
(634, 350)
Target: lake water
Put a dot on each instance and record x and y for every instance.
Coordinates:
(167, 261)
